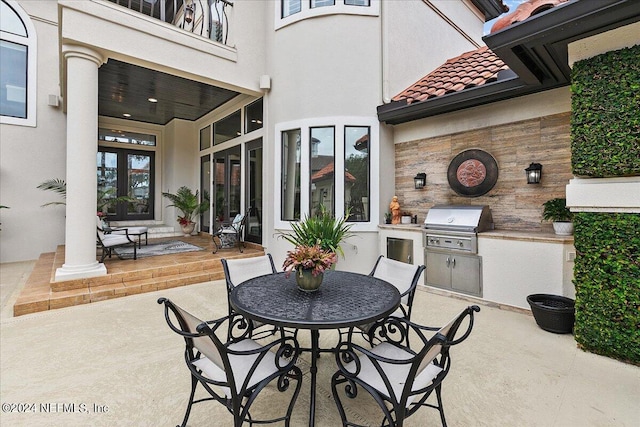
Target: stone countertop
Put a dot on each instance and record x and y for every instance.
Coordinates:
(523, 235)
(526, 235)
(403, 227)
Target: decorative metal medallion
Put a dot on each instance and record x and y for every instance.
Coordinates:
(472, 173)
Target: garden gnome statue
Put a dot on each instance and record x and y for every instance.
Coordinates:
(394, 207)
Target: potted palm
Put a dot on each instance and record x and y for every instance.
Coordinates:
(556, 210)
(189, 204)
(322, 229)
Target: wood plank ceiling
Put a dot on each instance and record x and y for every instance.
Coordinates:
(126, 88)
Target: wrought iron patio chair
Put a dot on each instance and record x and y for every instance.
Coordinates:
(240, 270)
(401, 275)
(110, 241)
(230, 234)
(236, 371)
(399, 379)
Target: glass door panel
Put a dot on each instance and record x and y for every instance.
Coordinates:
(139, 183)
(226, 184)
(205, 182)
(254, 192)
(107, 164)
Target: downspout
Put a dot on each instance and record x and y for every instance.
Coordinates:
(384, 54)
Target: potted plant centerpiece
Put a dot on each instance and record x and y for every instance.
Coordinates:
(188, 203)
(309, 264)
(556, 210)
(322, 229)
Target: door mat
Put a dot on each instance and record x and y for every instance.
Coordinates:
(154, 249)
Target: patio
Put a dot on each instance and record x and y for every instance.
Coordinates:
(117, 360)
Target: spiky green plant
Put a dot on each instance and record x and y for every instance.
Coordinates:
(322, 229)
(104, 197)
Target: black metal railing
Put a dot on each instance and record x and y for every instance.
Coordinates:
(207, 18)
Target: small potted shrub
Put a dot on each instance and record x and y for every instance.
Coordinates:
(309, 264)
(556, 210)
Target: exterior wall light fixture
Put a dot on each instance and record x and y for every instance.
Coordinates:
(534, 173)
(420, 180)
(189, 12)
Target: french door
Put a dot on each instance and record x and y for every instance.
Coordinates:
(226, 185)
(123, 172)
(253, 193)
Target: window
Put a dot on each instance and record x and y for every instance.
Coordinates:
(321, 3)
(253, 116)
(290, 196)
(322, 167)
(126, 137)
(205, 138)
(228, 128)
(357, 172)
(289, 7)
(357, 2)
(17, 66)
(329, 162)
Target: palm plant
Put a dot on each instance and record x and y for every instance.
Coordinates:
(187, 202)
(322, 229)
(103, 201)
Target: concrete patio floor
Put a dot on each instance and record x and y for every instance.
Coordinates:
(118, 363)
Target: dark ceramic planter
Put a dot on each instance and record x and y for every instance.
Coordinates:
(307, 281)
(553, 313)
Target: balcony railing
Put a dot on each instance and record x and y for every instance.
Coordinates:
(207, 18)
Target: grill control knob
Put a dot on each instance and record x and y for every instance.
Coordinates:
(460, 243)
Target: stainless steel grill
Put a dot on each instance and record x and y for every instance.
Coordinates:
(451, 246)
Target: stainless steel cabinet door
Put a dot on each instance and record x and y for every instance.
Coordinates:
(466, 274)
(438, 273)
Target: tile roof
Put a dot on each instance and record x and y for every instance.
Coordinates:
(327, 172)
(471, 69)
(524, 11)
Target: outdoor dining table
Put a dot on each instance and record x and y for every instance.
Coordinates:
(344, 299)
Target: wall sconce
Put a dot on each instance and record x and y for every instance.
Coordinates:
(534, 172)
(189, 12)
(420, 180)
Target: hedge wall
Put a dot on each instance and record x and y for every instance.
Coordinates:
(607, 272)
(605, 114)
(605, 141)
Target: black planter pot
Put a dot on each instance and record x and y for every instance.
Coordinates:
(553, 313)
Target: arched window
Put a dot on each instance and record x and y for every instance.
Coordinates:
(17, 66)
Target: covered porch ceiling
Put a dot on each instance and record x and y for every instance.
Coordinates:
(126, 89)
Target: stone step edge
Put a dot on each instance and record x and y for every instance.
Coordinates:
(148, 273)
(89, 294)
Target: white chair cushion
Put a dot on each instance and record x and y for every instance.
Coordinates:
(399, 274)
(132, 230)
(109, 240)
(396, 374)
(243, 269)
(240, 366)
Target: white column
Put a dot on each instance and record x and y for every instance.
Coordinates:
(82, 146)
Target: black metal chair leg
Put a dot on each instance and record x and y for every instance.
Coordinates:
(194, 383)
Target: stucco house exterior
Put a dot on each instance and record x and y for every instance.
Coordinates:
(167, 93)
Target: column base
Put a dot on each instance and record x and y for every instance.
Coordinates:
(70, 272)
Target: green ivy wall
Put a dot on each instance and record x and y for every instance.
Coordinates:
(605, 142)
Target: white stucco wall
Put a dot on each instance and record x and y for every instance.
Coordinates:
(31, 155)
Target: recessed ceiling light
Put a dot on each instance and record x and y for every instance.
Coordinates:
(127, 115)
(152, 100)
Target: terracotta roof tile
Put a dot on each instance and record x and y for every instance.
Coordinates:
(525, 11)
(470, 69)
